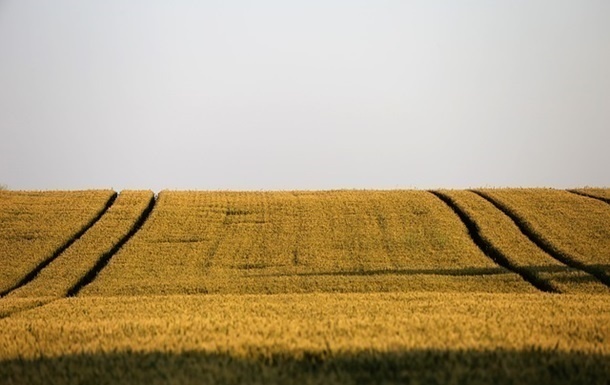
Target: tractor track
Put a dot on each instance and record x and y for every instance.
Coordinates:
(107, 256)
(584, 194)
(36, 270)
(491, 251)
(545, 245)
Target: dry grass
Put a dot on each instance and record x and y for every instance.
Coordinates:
(282, 242)
(64, 272)
(33, 225)
(502, 232)
(577, 226)
(323, 338)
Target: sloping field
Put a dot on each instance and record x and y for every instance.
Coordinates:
(572, 228)
(37, 226)
(503, 234)
(283, 242)
(598, 193)
(305, 287)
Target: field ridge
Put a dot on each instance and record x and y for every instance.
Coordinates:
(36, 270)
(587, 195)
(488, 248)
(544, 244)
(26, 305)
(105, 258)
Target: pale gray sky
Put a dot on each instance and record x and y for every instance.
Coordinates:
(304, 94)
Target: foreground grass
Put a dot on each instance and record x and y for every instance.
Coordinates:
(426, 366)
(286, 242)
(320, 338)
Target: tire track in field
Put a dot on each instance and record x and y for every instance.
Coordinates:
(584, 194)
(105, 258)
(545, 245)
(32, 274)
(491, 251)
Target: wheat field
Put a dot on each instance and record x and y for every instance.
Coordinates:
(346, 286)
(35, 225)
(278, 242)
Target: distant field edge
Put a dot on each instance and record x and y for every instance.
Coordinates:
(542, 243)
(106, 257)
(491, 251)
(36, 270)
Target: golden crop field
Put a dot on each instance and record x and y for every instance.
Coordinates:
(505, 235)
(329, 287)
(282, 242)
(64, 273)
(599, 193)
(572, 227)
(34, 225)
(320, 338)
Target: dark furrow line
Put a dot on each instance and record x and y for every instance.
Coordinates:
(491, 251)
(461, 272)
(32, 274)
(465, 272)
(105, 258)
(545, 245)
(584, 194)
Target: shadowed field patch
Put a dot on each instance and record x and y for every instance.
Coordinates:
(428, 366)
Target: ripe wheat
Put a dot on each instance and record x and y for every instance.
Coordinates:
(34, 225)
(282, 242)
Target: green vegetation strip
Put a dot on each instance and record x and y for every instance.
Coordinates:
(36, 227)
(506, 237)
(290, 242)
(572, 229)
(319, 338)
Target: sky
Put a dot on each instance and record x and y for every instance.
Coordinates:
(319, 94)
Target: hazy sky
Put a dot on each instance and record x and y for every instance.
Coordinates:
(304, 94)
